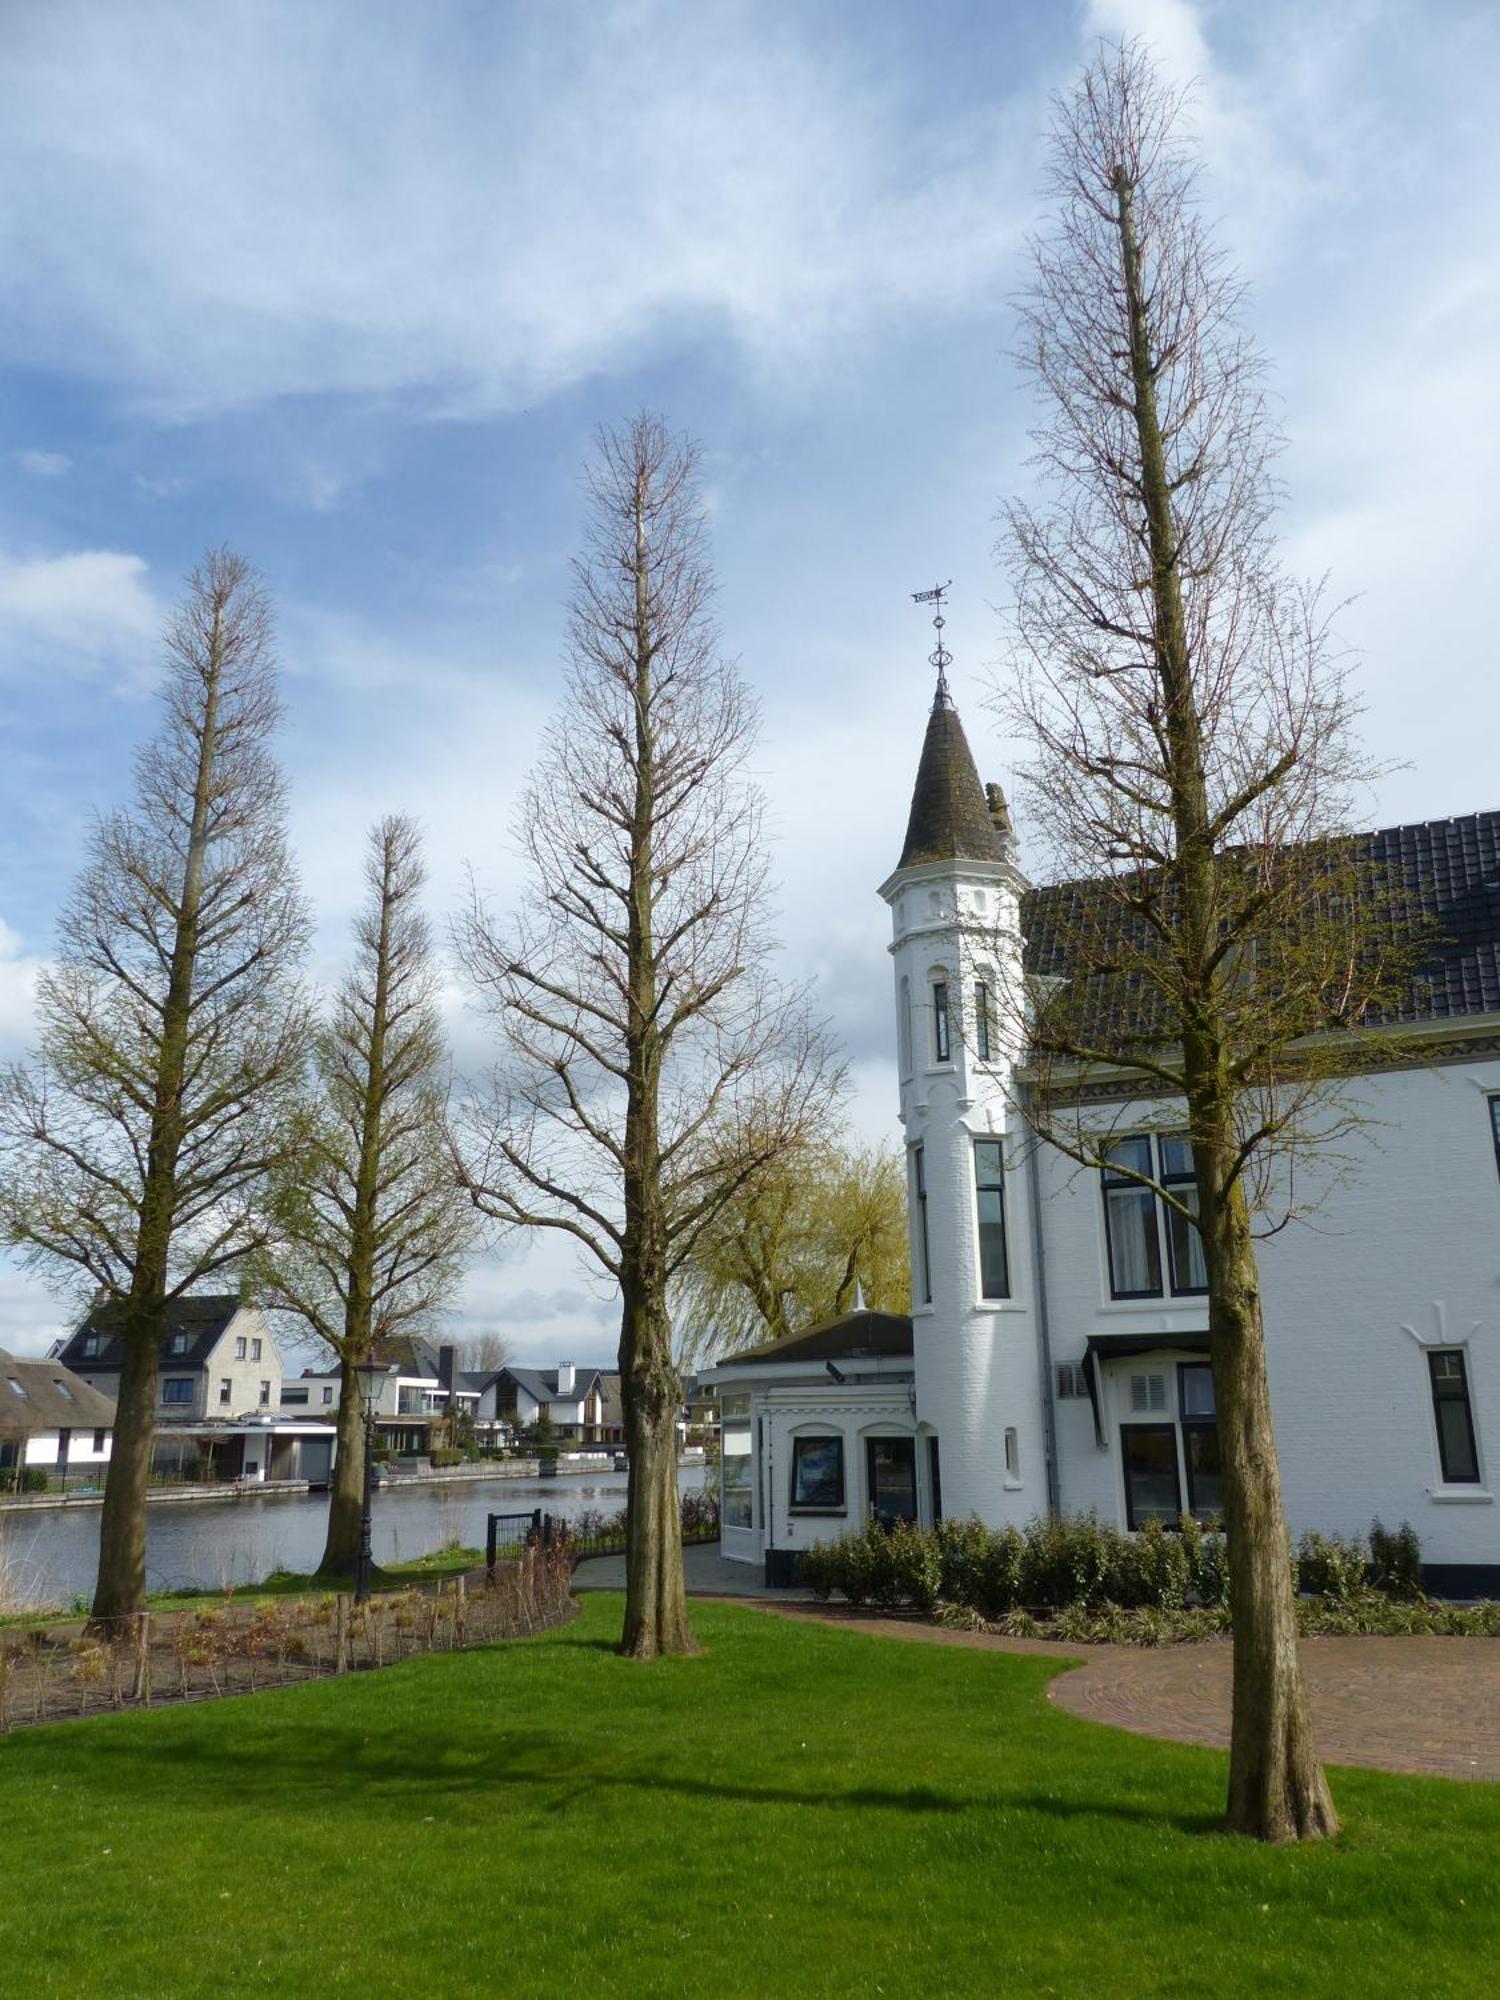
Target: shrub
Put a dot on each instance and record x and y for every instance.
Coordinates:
(1330, 1566)
(444, 1455)
(1396, 1560)
(33, 1479)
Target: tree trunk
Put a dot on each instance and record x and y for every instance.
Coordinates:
(656, 1617)
(1277, 1790)
(346, 1494)
(120, 1585)
(1276, 1785)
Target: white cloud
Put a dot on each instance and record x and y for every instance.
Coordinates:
(255, 200)
(44, 464)
(18, 977)
(90, 608)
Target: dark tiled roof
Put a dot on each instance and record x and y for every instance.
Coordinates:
(848, 1338)
(950, 817)
(202, 1317)
(1441, 879)
(541, 1383)
(50, 1398)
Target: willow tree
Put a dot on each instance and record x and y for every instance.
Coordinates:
(172, 1030)
(823, 1225)
(1194, 762)
(651, 1065)
(372, 1225)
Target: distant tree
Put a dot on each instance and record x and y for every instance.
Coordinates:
(172, 1030)
(372, 1226)
(792, 1247)
(1193, 767)
(483, 1353)
(652, 1066)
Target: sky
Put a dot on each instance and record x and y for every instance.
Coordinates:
(350, 285)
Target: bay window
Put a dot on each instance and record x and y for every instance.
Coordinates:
(981, 1020)
(941, 1049)
(736, 1463)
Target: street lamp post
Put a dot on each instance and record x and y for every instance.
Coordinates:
(371, 1375)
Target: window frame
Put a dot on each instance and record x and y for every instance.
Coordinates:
(1130, 1184)
(919, 1200)
(942, 1027)
(1132, 1525)
(995, 1186)
(226, 1390)
(1494, 1103)
(1185, 1178)
(982, 1020)
(1465, 1400)
(177, 1382)
(800, 1439)
(1196, 1423)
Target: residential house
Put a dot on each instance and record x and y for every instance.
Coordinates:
(1056, 1356)
(583, 1403)
(50, 1419)
(219, 1401)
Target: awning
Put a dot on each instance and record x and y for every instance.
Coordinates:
(1121, 1346)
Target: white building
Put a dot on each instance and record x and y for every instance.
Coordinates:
(51, 1422)
(1057, 1351)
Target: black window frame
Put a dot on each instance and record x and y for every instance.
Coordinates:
(1465, 1400)
(1188, 1426)
(919, 1195)
(796, 1506)
(935, 1476)
(100, 1437)
(981, 1020)
(942, 1038)
(1494, 1104)
(226, 1390)
(1185, 1178)
(983, 1186)
(884, 1441)
(1131, 1183)
(176, 1382)
(1170, 1430)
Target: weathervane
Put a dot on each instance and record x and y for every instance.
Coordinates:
(939, 657)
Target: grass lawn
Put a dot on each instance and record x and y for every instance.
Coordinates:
(798, 1810)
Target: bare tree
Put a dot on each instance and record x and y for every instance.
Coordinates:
(372, 1225)
(483, 1353)
(1194, 761)
(823, 1223)
(171, 1029)
(652, 1066)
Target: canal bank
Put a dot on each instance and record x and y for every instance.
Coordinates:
(231, 1542)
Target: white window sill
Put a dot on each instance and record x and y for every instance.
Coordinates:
(1460, 1496)
(922, 1312)
(987, 1306)
(1013, 1485)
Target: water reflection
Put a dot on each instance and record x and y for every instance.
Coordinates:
(50, 1555)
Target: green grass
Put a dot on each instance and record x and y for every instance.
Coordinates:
(799, 1810)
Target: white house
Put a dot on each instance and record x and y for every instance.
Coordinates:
(1057, 1352)
(51, 1420)
(582, 1403)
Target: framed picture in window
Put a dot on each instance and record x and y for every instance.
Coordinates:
(818, 1475)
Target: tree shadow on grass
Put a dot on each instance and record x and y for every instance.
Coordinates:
(349, 1769)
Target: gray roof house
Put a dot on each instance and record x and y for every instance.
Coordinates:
(49, 1417)
(218, 1358)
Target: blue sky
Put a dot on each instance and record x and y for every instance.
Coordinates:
(349, 285)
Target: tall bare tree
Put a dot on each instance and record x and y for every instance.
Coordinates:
(827, 1217)
(652, 1066)
(372, 1225)
(171, 1029)
(1194, 760)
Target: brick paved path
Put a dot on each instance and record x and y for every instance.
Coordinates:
(1419, 1705)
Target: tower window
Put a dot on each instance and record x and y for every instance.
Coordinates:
(989, 1193)
(940, 1040)
(903, 1028)
(1013, 1456)
(981, 1020)
(922, 1275)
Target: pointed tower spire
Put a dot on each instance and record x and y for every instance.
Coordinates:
(950, 816)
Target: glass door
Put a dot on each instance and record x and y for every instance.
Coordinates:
(891, 1478)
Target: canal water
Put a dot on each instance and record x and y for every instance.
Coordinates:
(49, 1555)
